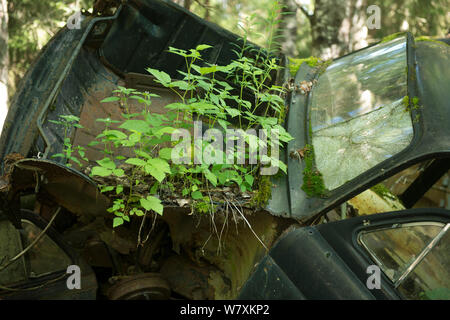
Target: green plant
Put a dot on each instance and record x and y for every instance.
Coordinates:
(204, 94)
(141, 133)
(239, 96)
(68, 152)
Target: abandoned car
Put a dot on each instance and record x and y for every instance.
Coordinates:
(355, 122)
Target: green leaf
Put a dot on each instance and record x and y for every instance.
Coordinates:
(119, 189)
(110, 99)
(165, 153)
(135, 126)
(196, 195)
(136, 162)
(157, 174)
(224, 124)
(100, 171)
(182, 85)
(161, 76)
(107, 163)
(157, 168)
(56, 122)
(118, 172)
(70, 118)
(142, 154)
(283, 166)
(207, 70)
(211, 177)
(233, 112)
(106, 188)
(249, 179)
(152, 203)
(176, 106)
(159, 164)
(164, 130)
(274, 162)
(115, 133)
(201, 47)
(117, 222)
(154, 188)
(75, 160)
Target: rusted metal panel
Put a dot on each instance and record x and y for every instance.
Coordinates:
(62, 185)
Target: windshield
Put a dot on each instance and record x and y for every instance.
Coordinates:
(358, 118)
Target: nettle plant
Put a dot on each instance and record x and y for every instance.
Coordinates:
(138, 167)
(203, 97)
(69, 151)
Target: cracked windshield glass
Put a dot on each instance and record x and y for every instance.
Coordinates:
(358, 118)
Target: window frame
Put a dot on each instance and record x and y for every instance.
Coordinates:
(428, 142)
(412, 112)
(50, 277)
(28, 264)
(412, 265)
(411, 91)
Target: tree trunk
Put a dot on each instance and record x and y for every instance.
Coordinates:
(207, 8)
(337, 27)
(184, 3)
(288, 28)
(353, 30)
(4, 58)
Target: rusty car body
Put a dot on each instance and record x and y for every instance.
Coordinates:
(80, 67)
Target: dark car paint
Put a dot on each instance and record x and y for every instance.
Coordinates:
(326, 261)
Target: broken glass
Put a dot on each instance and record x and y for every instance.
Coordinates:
(357, 116)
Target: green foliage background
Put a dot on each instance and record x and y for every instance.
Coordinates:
(33, 22)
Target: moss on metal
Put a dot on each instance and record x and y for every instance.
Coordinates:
(261, 199)
(426, 38)
(410, 103)
(392, 36)
(295, 64)
(381, 190)
(313, 184)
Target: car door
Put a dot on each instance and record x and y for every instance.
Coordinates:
(395, 255)
(410, 247)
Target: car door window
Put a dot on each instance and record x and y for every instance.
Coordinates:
(46, 256)
(430, 279)
(43, 258)
(413, 256)
(358, 116)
